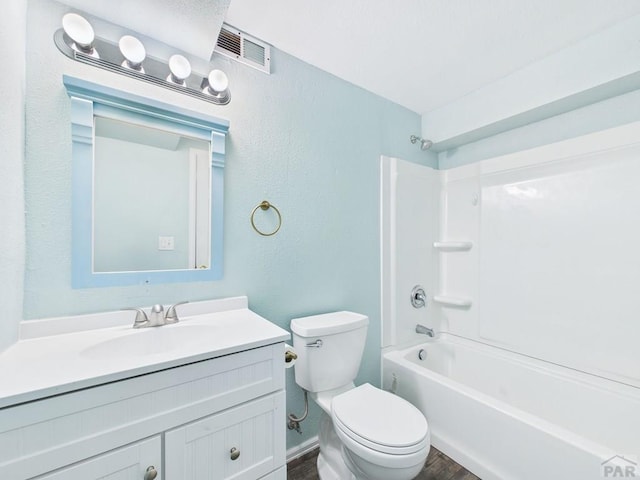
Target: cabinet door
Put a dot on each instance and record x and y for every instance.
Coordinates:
(127, 463)
(280, 474)
(242, 443)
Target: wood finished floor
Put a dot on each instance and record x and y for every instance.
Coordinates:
(438, 467)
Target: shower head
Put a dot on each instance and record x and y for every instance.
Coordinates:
(424, 144)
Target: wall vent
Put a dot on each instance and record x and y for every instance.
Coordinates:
(244, 48)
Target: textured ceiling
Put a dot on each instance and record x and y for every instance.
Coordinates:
(424, 53)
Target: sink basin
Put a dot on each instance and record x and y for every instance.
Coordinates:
(152, 341)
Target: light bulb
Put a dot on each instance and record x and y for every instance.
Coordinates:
(180, 69)
(80, 31)
(133, 51)
(218, 82)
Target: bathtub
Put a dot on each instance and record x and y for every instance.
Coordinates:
(507, 416)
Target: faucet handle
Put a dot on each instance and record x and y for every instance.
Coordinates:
(141, 317)
(418, 297)
(172, 315)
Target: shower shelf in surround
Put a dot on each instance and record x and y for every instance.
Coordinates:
(453, 246)
(452, 301)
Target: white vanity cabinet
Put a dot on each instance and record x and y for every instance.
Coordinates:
(238, 443)
(220, 418)
(126, 463)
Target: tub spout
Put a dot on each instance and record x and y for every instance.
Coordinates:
(424, 330)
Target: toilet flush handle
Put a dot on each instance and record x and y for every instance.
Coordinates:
(316, 344)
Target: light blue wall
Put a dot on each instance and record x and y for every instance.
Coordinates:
(590, 118)
(308, 142)
(12, 96)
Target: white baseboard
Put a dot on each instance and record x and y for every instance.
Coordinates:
(302, 448)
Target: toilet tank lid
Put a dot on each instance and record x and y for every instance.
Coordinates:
(328, 323)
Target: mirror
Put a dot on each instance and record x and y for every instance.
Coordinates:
(147, 189)
(151, 198)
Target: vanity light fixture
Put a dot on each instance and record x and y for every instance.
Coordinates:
(77, 40)
(81, 33)
(133, 52)
(180, 69)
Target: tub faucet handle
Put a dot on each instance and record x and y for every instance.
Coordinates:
(172, 315)
(418, 297)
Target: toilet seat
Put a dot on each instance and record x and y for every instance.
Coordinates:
(369, 418)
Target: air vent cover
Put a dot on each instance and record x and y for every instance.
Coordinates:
(244, 48)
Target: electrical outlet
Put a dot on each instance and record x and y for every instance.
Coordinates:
(166, 243)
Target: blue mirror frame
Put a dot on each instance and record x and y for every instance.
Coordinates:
(88, 100)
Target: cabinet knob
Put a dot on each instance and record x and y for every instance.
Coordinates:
(150, 473)
(234, 454)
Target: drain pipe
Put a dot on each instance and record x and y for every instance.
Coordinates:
(294, 422)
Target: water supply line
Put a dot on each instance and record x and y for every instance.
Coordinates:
(294, 422)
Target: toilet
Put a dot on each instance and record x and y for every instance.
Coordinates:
(365, 432)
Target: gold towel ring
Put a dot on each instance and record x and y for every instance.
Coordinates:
(264, 205)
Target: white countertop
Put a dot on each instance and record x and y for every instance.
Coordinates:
(41, 366)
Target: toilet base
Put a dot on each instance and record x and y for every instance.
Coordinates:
(331, 465)
(365, 470)
(337, 462)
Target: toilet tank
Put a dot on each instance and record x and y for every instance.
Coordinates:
(329, 348)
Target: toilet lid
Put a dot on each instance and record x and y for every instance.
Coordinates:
(380, 418)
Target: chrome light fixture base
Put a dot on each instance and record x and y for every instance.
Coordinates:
(155, 70)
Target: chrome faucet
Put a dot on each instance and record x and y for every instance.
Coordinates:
(141, 317)
(172, 315)
(418, 297)
(156, 317)
(425, 330)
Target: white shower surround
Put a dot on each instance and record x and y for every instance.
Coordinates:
(552, 273)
